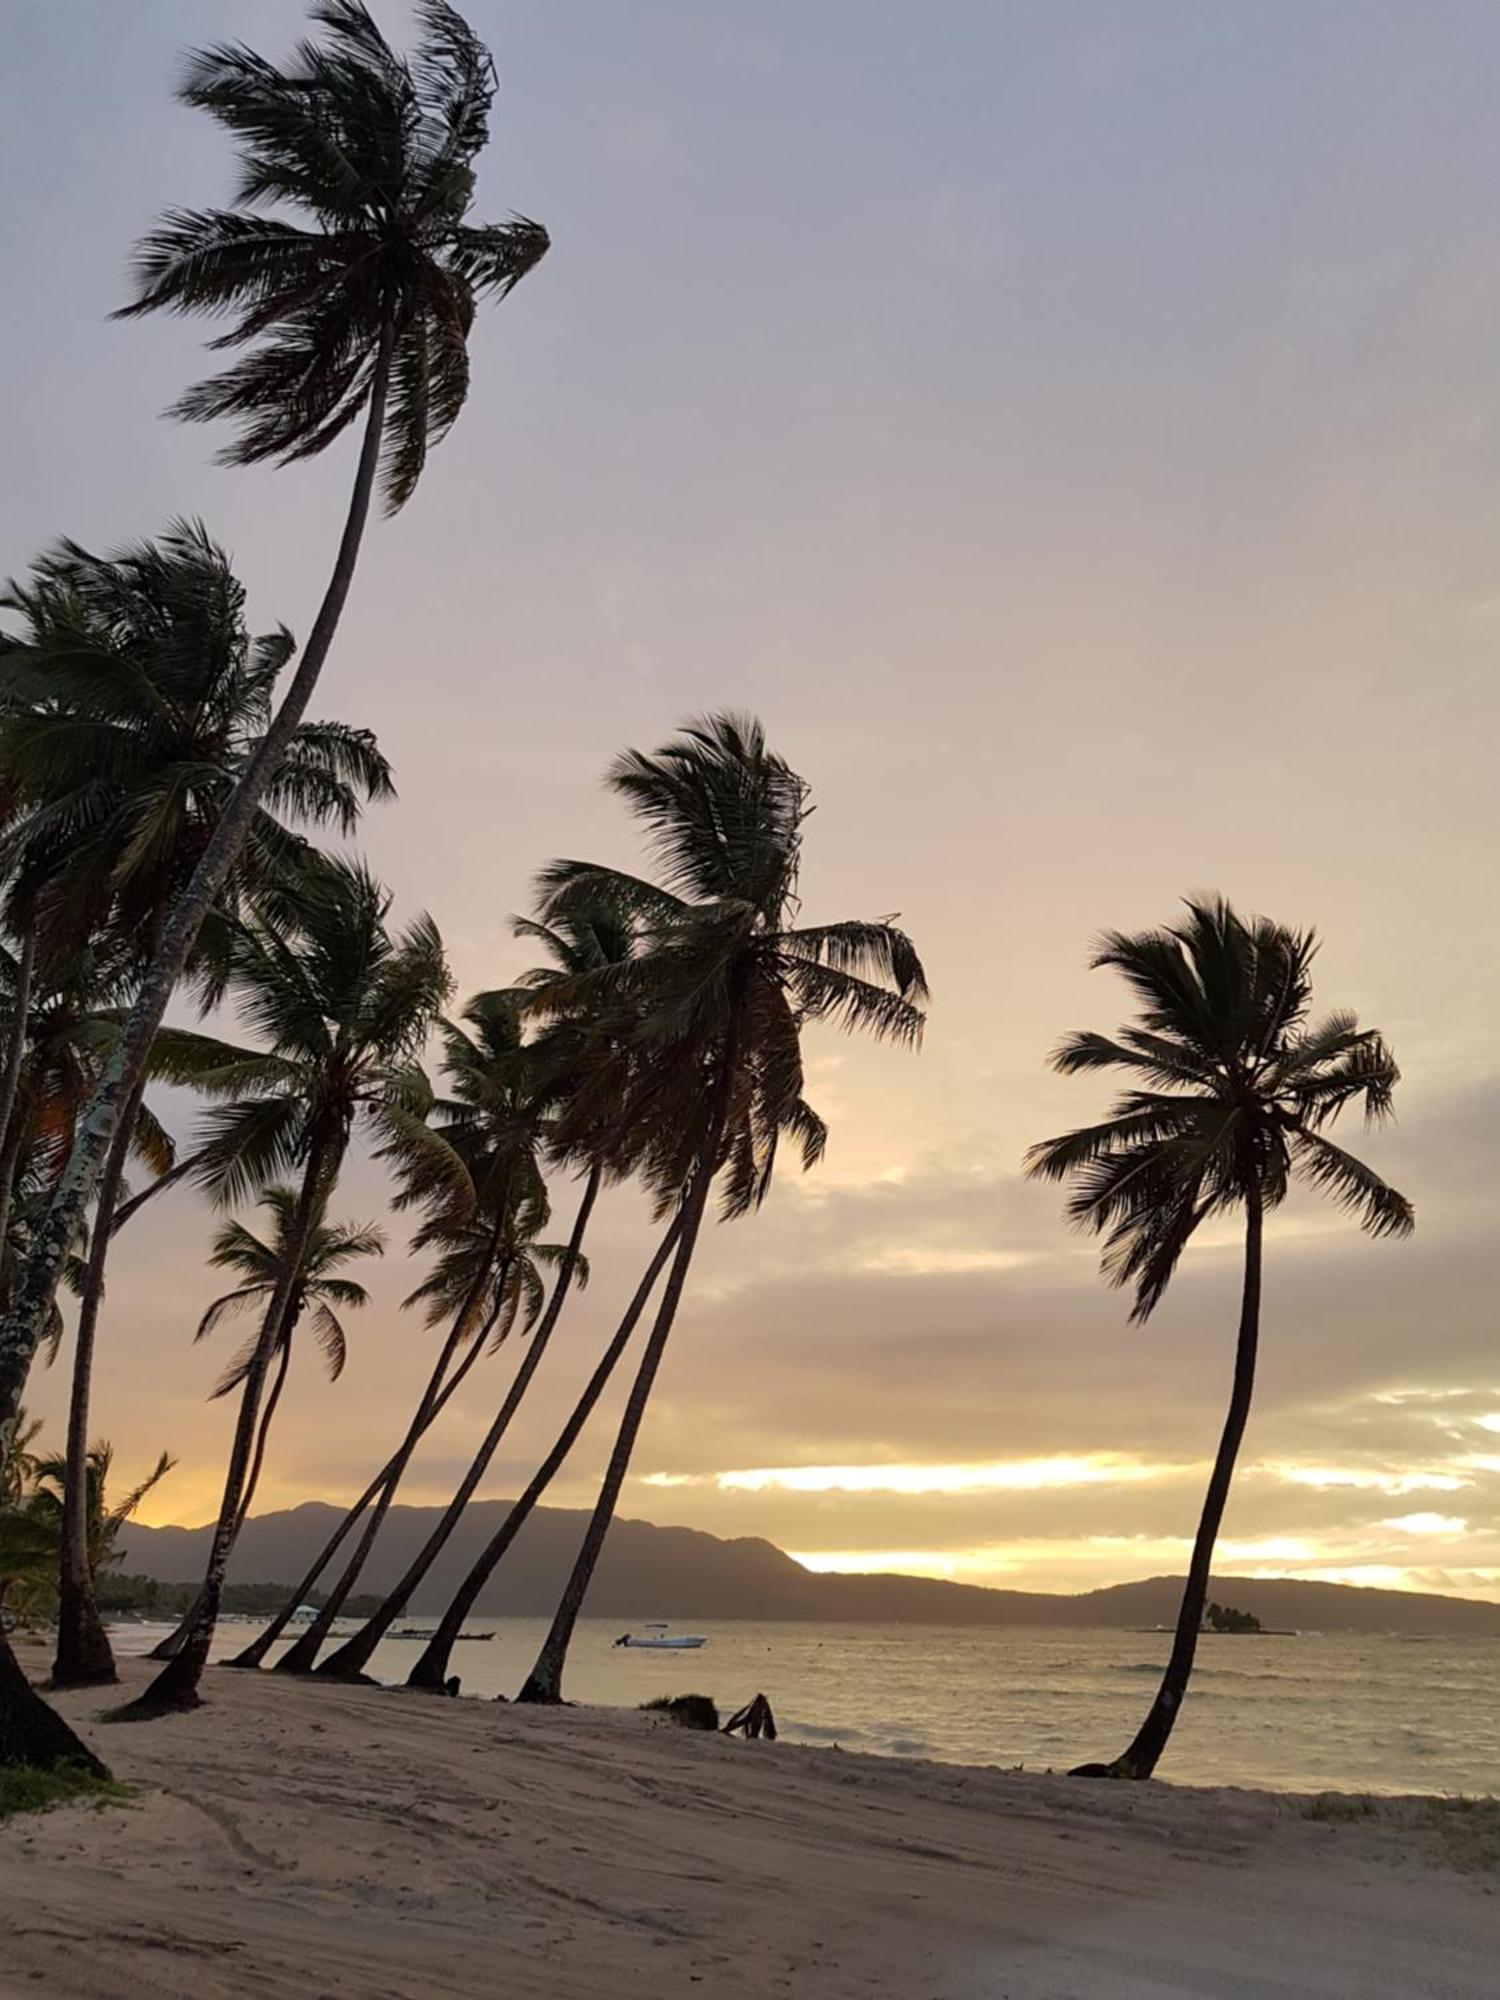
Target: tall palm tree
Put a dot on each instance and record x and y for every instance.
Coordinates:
(516, 1299)
(430, 1670)
(342, 1008)
(495, 1121)
(1232, 1092)
(719, 996)
(365, 312)
(321, 1292)
(472, 1159)
(135, 697)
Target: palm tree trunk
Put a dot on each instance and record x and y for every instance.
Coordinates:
(1140, 1760)
(253, 1654)
(544, 1683)
(176, 1686)
(431, 1669)
(258, 1459)
(10, 1080)
(25, 1321)
(353, 1656)
(31, 1732)
(301, 1656)
(84, 1658)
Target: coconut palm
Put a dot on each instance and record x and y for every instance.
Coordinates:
(364, 312)
(718, 997)
(546, 1074)
(134, 698)
(31, 1527)
(472, 1159)
(321, 1292)
(342, 1008)
(1231, 1094)
(515, 1299)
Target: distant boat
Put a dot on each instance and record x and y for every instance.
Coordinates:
(657, 1636)
(430, 1632)
(303, 1615)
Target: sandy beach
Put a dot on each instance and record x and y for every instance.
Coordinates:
(289, 1839)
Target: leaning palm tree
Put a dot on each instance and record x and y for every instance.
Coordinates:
(342, 1009)
(321, 1293)
(472, 1159)
(521, 1086)
(718, 998)
(515, 1300)
(1232, 1092)
(134, 699)
(366, 312)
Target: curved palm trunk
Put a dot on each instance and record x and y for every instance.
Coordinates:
(258, 1457)
(1140, 1760)
(431, 1669)
(176, 1686)
(353, 1656)
(301, 1656)
(253, 1654)
(84, 1658)
(10, 1079)
(25, 1321)
(544, 1683)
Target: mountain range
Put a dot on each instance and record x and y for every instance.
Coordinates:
(684, 1574)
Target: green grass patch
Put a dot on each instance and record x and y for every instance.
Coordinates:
(24, 1789)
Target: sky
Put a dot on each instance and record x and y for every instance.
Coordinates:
(1074, 428)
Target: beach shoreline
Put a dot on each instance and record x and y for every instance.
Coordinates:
(296, 1839)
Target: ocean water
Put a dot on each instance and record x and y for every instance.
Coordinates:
(1309, 1713)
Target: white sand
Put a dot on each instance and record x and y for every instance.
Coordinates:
(312, 1840)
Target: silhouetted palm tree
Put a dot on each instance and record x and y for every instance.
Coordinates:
(343, 1009)
(320, 1286)
(718, 998)
(537, 1079)
(1232, 1093)
(134, 698)
(365, 312)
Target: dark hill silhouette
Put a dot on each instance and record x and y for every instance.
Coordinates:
(683, 1574)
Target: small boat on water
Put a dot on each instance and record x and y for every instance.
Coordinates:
(657, 1636)
(430, 1632)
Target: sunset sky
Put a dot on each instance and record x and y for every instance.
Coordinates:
(1075, 430)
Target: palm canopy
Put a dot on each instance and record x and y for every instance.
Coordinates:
(375, 151)
(712, 1003)
(1233, 1090)
(474, 1146)
(341, 1007)
(31, 1524)
(258, 1262)
(133, 697)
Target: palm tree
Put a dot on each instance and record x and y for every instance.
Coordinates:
(342, 1008)
(321, 1292)
(435, 1399)
(472, 1158)
(1232, 1092)
(135, 697)
(31, 1527)
(431, 1669)
(718, 997)
(516, 1296)
(367, 311)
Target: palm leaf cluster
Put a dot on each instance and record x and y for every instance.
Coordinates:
(376, 152)
(1233, 1087)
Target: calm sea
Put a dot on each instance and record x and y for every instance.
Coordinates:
(1300, 1714)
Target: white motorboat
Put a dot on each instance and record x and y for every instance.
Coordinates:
(657, 1636)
